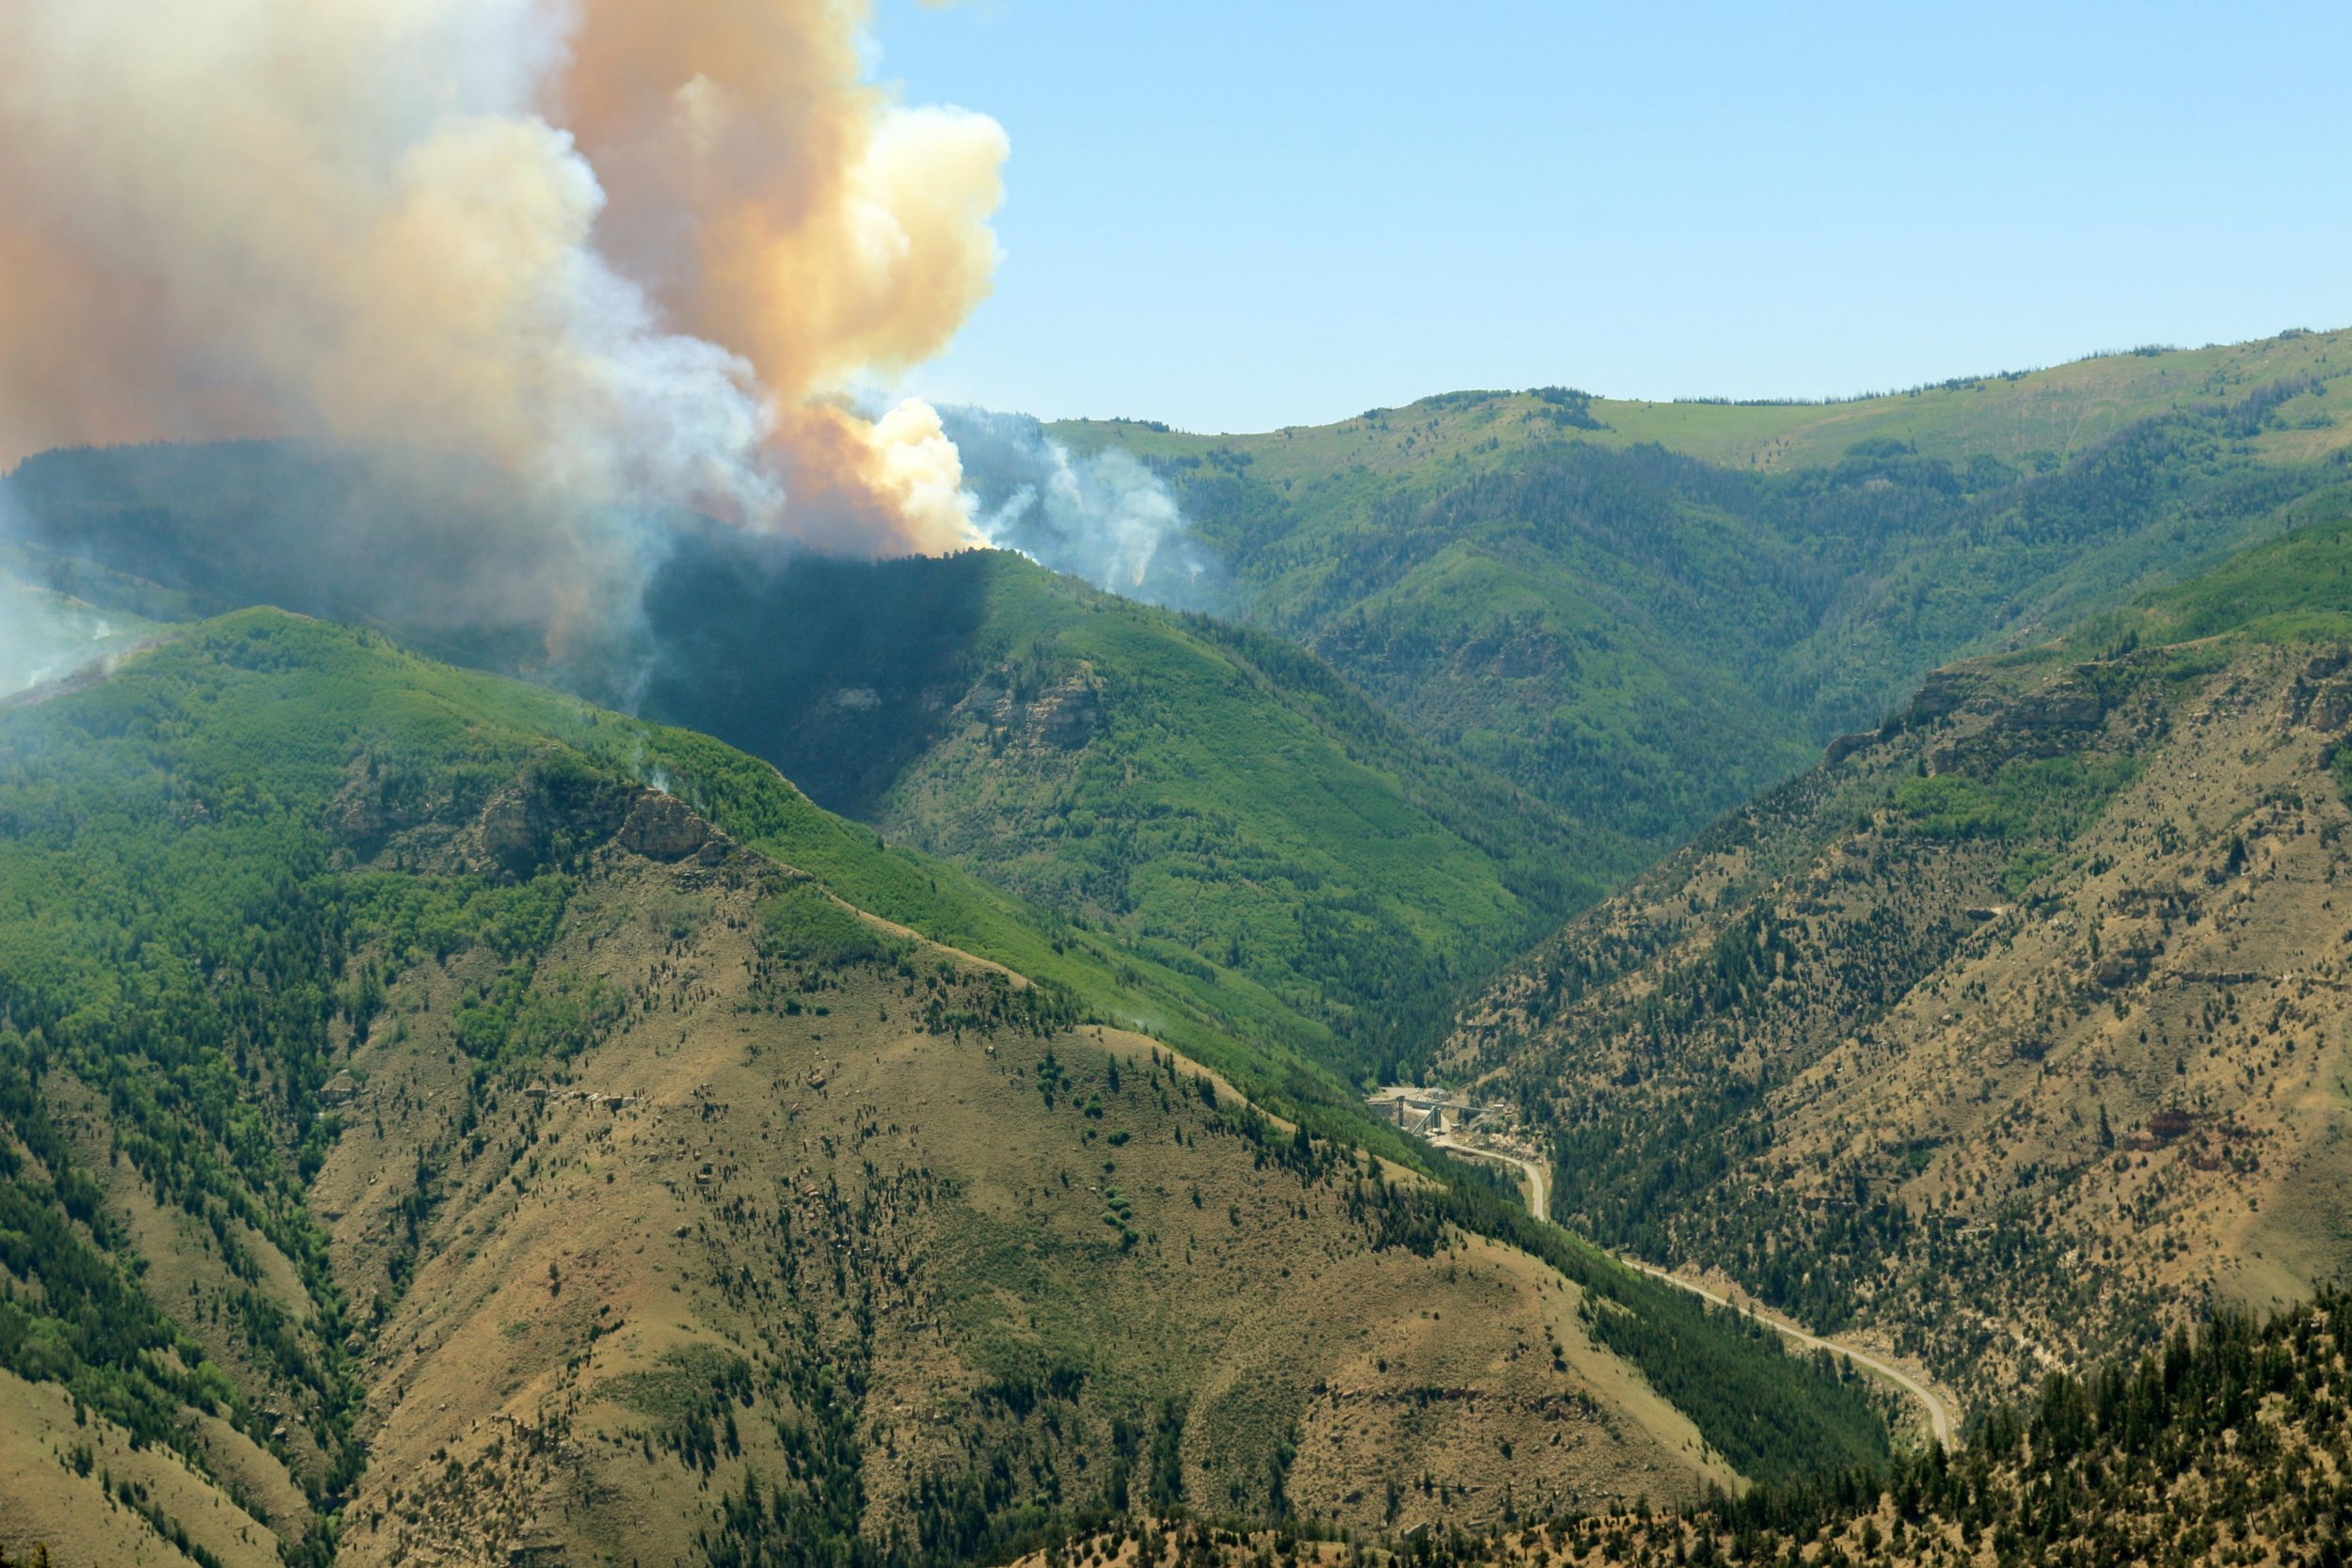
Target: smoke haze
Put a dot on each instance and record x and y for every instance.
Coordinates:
(45, 636)
(1103, 517)
(627, 257)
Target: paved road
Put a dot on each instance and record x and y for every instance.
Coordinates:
(1941, 1419)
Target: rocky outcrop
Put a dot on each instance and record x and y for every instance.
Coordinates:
(1064, 716)
(664, 828)
(553, 816)
(1943, 693)
(1067, 717)
(2321, 696)
(1847, 745)
(544, 820)
(2067, 706)
(357, 818)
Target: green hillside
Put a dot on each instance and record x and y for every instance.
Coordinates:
(322, 965)
(1210, 797)
(2224, 1446)
(1645, 614)
(2013, 416)
(2298, 586)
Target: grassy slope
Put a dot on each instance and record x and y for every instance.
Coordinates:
(2298, 586)
(2060, 410)
(2228, 1447)
(1214, 800)
(870, 1249)
(270, 857)
(1647, 621)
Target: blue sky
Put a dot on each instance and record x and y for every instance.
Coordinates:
(1235, 215)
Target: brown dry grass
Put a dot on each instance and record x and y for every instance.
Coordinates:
(2179, 965)
(848, 1186)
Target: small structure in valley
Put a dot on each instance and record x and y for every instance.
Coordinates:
(1426, 1113)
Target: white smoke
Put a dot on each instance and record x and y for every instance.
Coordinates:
(1102, 515)
(45, 637)
(626, 254)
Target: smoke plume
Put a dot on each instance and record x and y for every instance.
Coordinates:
(1102, 516)
(45, 636)
(630, 256)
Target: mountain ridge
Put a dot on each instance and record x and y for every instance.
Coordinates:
(1645, 627)
(421, 1132)
(2024, 999)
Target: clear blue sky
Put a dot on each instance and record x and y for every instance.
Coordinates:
(1236, 215)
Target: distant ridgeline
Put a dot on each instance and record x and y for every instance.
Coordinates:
(1645, 613)
(1585, 628)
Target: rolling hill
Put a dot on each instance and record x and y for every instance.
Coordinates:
(422, 1136)
(2012, 1032)
(1647, 612)
(1208, 799)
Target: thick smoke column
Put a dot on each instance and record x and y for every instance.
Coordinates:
(631, 255)
(1103, 517)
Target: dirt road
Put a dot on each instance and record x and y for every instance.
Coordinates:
(1942, 1420)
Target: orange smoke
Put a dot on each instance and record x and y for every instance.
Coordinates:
(633, 252)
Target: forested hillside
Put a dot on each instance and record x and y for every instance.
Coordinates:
(1213, 800)
(1547, 635)
(1646, 613)
(2226, 1444)
(421, 1132)
(2012, 1032)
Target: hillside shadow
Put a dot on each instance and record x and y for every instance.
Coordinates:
(840, 673)
(837, 671)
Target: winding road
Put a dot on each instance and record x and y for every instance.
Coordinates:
(1942, 1419)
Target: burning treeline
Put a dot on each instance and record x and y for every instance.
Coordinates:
(631, 255)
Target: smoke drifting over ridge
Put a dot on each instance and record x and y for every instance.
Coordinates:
(627, 256)
(1103, 517)
(43, 636)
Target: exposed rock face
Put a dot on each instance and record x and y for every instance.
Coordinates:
(556, 818)
(358, 815)
(1943, 692)
(512, 827)
(2118, 970)
(359, 820)
(1067, 717)
(1847, 745)
(2064, 706)
(1064, 716)
(2332, 706)
(536, 823)
(664, 828)
(2321, 696)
